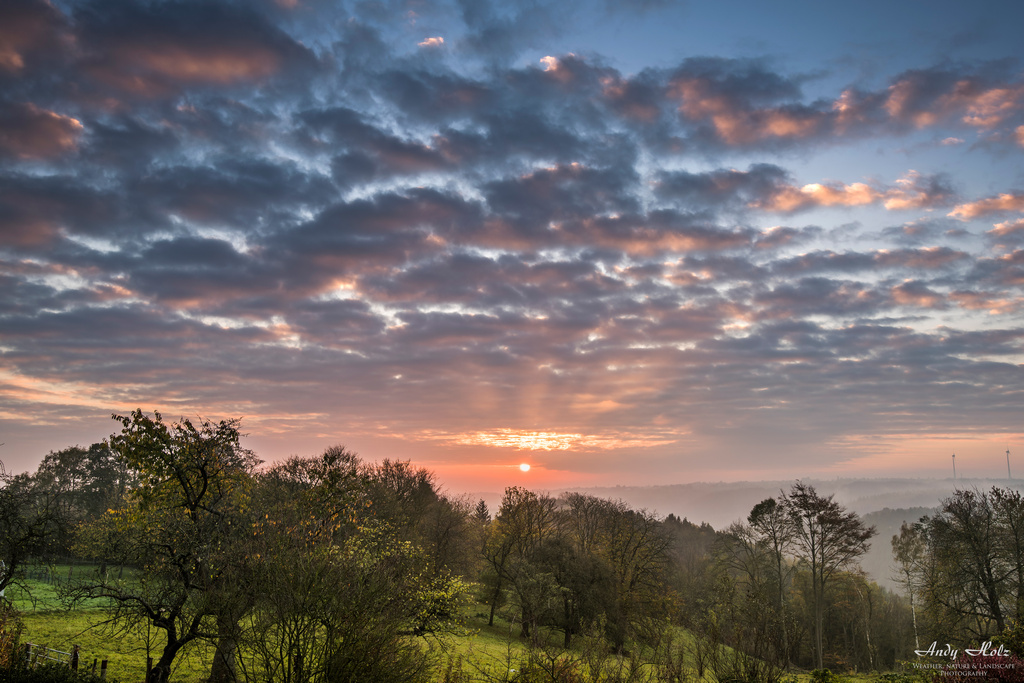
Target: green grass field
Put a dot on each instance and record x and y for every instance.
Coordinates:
(484, 653)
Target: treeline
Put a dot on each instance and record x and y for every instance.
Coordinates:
(334, 569)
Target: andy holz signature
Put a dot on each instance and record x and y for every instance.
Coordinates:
(985, 650)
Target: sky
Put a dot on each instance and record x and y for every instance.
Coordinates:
(645, 243)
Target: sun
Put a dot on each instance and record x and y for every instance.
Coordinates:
(525, 467)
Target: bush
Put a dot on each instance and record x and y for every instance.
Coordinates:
(10, 636)
(1012, 638)
(48, 673)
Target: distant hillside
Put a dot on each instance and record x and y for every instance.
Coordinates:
(885, 503)
(720, 504)
(878, 562)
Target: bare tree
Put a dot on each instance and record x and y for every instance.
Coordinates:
(909, 549)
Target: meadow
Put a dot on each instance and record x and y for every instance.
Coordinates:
(475, 651)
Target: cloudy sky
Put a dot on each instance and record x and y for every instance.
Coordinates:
(677, 242)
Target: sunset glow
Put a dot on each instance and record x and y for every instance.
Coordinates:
(602, 245)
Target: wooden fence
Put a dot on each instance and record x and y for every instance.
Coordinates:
(40, 654)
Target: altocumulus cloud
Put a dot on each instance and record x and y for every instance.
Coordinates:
(393, 229)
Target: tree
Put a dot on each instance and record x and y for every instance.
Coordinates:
(1008, 506)
(909, 548)
(30, 522)
(525, 521)
(88, 481)
(177, 529)
(828, 539)
(774, 530)
(636, 548)
(320, 529)
(974, 542)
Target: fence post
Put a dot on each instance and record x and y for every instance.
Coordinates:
(74, 658)
(103, 670)
(28, 654)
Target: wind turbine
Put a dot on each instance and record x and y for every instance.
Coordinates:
(1008, 475)
(954, 467)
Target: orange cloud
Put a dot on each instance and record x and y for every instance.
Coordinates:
(899, 101)
(736, 125)
(978, 301)
(621, 94)
(28, 132)
(526, 440)
(989, 205)
(26, 28)
(915, 294)
(434, 41)
(989, 108)
(557, 68)
(209, 64)
(153, 66)
(791, 198)
(1007, 228)
(974, 105)
(908, 194)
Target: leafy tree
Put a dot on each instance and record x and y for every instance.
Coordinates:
(30, 523)
(177, 529)
(1008, 506)
(525, 521)
(774, 531)
(580, 585)
(320, 529)
(637, 552)
(828, 539)
(976, 550)
(88, 481)
(690, 562)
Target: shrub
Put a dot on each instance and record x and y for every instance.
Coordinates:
(49, 673)
(10, 636)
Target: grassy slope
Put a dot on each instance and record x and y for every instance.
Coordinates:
(485, 652)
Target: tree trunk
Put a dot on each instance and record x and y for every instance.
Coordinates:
(224, 668)
(494, 601)
(161, 672)
(913, 616)
(819, 618)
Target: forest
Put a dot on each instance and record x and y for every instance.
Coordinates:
(335, 569)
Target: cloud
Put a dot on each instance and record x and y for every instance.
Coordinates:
(30, 31)
(156, 50)
(314, 217)
(1008, 232)
(28, 132)
(911, 192)
(990, 205)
